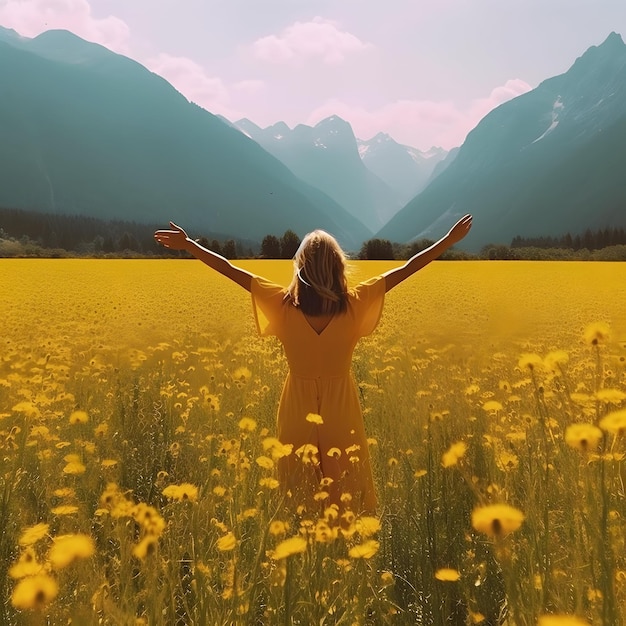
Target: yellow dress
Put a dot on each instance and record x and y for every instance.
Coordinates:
(320, 382)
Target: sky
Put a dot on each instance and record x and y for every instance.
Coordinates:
(423, 71)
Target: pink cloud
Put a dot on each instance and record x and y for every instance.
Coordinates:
(318, 39)
(32, 17)
(189, 78)
(511, 89)
(209, 92)
(420, 123)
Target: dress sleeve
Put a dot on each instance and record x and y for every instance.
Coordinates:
(268, 301)
(369, 298)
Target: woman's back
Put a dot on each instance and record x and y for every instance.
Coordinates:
(312, 353)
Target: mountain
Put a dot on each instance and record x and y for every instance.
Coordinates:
(86, 131)
(406, 170)
(545, 163)
(327, 157)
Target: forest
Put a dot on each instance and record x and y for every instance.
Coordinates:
(50, 235)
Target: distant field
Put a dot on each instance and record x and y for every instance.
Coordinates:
(137, 468)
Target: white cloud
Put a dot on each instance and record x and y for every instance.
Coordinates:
(32, 17)
(318, 39)
(420, 123)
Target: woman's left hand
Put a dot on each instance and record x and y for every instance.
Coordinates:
(175, 239)
(460, 229)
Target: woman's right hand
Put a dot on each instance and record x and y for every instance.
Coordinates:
(174, 239)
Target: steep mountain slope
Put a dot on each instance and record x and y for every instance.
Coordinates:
(547, 162)
(83, 130)
(406, 170)
(327, 157)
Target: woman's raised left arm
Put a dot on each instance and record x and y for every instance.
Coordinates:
(417, 262)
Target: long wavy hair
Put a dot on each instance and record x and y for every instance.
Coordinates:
(319, 285)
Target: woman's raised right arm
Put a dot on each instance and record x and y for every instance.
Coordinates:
(176, 239)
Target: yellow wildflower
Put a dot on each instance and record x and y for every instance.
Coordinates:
(497, 520)
(276, 448)
(33, 534)
(146, 547)
(447, 574)
(324, 533)
(185, 492)
(314, 418)
(27, 565)
(610, 396)
(34, 592)
(530, 361)
(79, 417)
(64, 509)
(247, 424)
(455, 452)
(289, 547)
(101, 430)
(365, 550)
(492, 406)
(614, 422)
(583, 437)
(74, 468)
(278, 527)
(28, 408)
(265, 462)
(367, 526)
(597, 333)
(308, 453)
(227, 542)
(270, 483)
(68, 548)
(242, 375)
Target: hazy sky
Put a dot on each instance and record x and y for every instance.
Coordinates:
(424, 71)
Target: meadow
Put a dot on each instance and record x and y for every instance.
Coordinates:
(138, 451)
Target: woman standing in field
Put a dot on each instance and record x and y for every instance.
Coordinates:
(319, 321)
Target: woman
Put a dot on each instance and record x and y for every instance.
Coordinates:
(319, 321)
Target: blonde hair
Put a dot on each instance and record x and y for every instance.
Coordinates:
(319, 285)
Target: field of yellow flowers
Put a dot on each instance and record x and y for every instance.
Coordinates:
(138, 451)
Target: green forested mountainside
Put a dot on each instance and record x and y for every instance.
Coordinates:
(104, 137)
(547, 162)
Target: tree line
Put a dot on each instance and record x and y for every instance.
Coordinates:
(34, 233)
(38, 234)
(590, 239)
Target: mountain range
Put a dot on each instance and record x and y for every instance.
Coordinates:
(372, 179)
(548, 162)
(86, 131)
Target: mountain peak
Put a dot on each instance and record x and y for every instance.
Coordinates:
(333, 120)
(613, 46)
(613, 40)
(65, 46)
